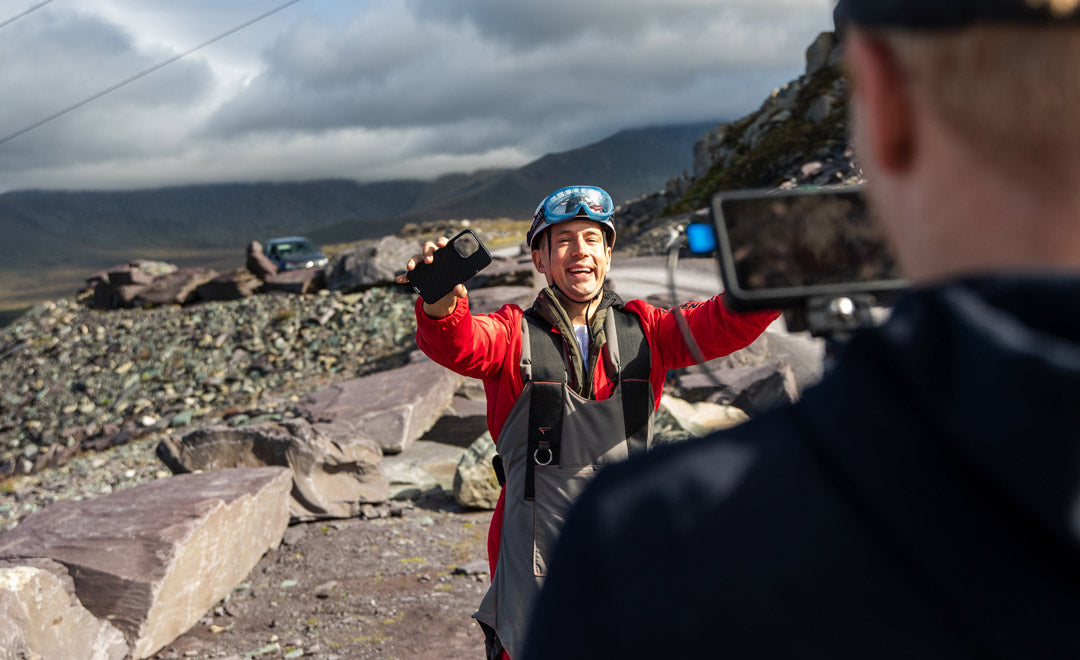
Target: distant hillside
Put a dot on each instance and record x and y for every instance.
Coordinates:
(46, 228)
(628, 164)
(52, 239)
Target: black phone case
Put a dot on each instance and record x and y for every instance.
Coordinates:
(448, 269)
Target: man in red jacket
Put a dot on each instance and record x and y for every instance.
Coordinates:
(571, 384)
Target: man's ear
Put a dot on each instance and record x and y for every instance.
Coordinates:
(882, 101)
(538, 261)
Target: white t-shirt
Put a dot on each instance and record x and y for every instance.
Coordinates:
(582, 333)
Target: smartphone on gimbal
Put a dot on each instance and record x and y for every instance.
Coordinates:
(779, 249)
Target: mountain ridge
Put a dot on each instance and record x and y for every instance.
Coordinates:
(47, 231)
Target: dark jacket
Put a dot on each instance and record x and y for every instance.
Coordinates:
(923, 501)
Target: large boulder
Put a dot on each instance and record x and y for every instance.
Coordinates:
(393, 408)
(753, 389)
(802, 353)
(462, 421)
(258, 264)
(40, 617)
(677, 419)
(475, 483)
(175, 288)
(236, 284)
(299, 281)
(330, 479)
(371, 264)
(119, 285)
(152, 559)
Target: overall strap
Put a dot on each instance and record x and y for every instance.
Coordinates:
(543, 363)
(545, 366)
(635, 364)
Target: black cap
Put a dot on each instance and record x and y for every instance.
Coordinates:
(946, 14)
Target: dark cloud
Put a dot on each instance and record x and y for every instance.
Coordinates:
(376, 89)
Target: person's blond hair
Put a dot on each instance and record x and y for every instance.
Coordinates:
(1012, 92)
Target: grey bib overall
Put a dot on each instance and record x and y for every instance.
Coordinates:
(552, 443)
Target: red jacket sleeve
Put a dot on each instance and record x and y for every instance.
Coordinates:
(717, 330)
(477, 346)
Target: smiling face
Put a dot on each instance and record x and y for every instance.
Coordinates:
(574, 257)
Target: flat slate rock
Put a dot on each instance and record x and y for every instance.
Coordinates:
(152, 559)
(393, 408)
(330, 479)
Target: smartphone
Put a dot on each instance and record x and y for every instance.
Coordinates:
(780, 248)
(464, 256)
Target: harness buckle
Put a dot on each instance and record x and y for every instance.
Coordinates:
(544, 447)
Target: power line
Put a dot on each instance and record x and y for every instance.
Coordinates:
(32, 9)
(146, 72)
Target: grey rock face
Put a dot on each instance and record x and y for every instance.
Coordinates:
(820, 53)
(392, 408)
(152, 559)
(368, 265)
(330, 479)
(40, 617)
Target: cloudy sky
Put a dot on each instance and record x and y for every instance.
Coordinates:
(367, 89)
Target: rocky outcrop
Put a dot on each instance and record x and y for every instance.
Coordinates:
(475, 483)
(392, 408)
(154, 558)
(753, 389)
(330, 479)
(175, 288)
(297, 282)
(370, 264)
(798, 136)
(236, 284)
(40, 617)
(119, 285)
(257, 263)
(813, 104)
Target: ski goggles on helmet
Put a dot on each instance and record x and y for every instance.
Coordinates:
(564, 204)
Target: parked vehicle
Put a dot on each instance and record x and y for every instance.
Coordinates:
(294, 252)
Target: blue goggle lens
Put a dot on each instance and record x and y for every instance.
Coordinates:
(568, 202)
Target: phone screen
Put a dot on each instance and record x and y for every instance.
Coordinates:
(781, 247)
